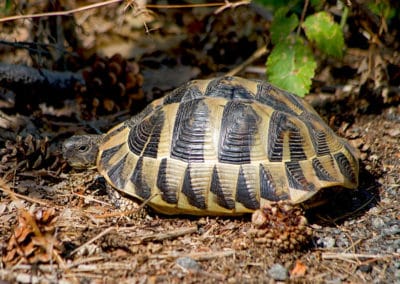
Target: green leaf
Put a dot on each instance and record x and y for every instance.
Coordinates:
(291, 66)
(383, 9)
(327, 34)
(282, 26)
(7, 7)
(317, 4)
(295, 6)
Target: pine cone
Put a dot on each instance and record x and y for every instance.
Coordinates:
(112, 84)
(32, 240)
(281, 225)
(29, 153)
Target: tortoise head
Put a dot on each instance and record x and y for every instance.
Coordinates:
(81, 151)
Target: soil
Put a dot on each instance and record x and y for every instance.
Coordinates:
(57, 225)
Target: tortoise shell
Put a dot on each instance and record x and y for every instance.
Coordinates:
(225, 146)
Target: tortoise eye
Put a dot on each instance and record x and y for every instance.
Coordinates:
(83, 148)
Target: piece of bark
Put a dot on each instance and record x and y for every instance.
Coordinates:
(33, 86)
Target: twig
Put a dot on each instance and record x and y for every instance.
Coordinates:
(229, 5)
(60, 13)
(14, 195)
(211, 255)
(85, 260)
(356, 256)
(257, 54)
(303, 14)
(128, 212)
(168, 235)
(92, 199)
(225, 5)
(103, 233)
(200, 256)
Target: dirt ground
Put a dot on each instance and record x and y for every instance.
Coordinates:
(57, 224)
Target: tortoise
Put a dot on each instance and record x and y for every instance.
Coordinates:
(222, 146)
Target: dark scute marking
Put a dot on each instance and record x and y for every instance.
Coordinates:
(168, 194)
(320, 171)
(244, 194)
(223, 199)
(195, 196)
(188, 138)
(265, 96)
(115, 173)
(222, 88)
(345, 167)
(296, 143)
(267, 186)
(157, 120)
(277, 128)
(296, 177)
(146, 131)
(321, 143)
(106, 155)
(186, 92)
(238, 127)
(142, 189)
(318, 136)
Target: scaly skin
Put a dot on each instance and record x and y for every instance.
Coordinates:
(81, 150)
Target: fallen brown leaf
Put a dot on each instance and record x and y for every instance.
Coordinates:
(299, 269)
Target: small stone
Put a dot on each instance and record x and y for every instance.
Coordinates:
(258, 218)
(365, 148)
(315, 226)
(393, 132)
(373, 158)
(278, 272)
(334, 281)
(328, 242)
(375, 211)
(188, 263)
(378, 223)
(392, 230)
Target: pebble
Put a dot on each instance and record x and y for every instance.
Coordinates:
(378, 223)
(188, 263)
(327, 242)
(334, 281)
(375, 210)
(393, 132)
(392, 230)
(365, 148)
(373, 158)
(278, 272)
